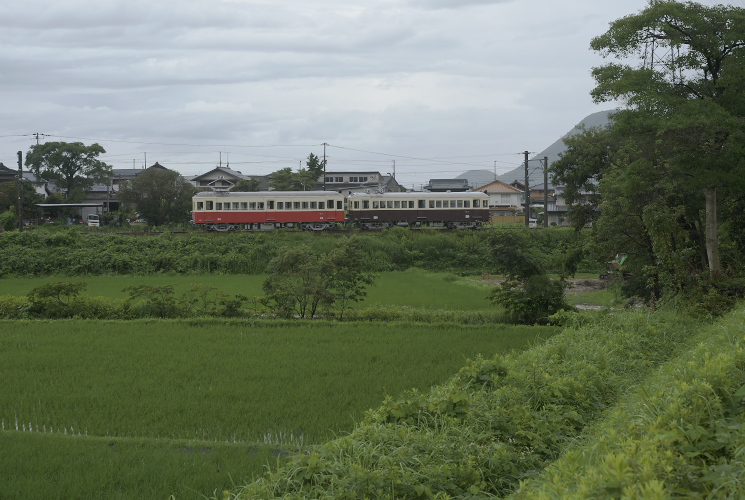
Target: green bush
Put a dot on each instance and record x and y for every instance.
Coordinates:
(533, 301)
(8, 221)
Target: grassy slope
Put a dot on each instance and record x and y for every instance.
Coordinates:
(498, 422)
(679, 434)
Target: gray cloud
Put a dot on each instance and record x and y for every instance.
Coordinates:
(416, 79)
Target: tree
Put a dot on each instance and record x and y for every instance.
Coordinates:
(285, 180)
(347, 280)
(73, 164)
(246, 186)
(300, 282)
(315, 166)
(528, 295)
(296, 284)
(695, 93)
(9, 197)
(160, 195)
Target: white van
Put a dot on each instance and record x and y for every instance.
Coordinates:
(94, 220)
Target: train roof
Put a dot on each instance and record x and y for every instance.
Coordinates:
(265, 194)
(426, 194)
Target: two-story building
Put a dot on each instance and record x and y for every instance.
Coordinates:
(504, 200)
(358, 182)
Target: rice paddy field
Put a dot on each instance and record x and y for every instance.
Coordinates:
(414, 288)
(190, 408)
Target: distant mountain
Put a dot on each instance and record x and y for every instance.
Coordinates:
(478, 178)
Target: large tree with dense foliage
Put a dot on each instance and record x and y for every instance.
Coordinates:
(656, 172)
(160, 195)
(73, 165)
(693, 94)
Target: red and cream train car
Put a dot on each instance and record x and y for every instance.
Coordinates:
(226, 211)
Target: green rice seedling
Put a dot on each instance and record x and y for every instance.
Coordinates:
(70, 387)
(43, 465)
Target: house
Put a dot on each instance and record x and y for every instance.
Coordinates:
(503, 198)
(448, 185)
(11, 175)
(358, 182)
(223, 178)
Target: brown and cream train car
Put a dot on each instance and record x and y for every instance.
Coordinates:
(416, 209)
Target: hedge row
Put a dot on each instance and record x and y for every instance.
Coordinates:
(73, 253)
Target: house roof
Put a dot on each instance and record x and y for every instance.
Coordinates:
(498, 187)
(225, 171)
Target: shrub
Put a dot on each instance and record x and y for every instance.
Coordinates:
(8, 220)
(533, 301)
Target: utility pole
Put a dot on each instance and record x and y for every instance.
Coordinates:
(394, 169)
(495, 170)
(545, 191)
(324, 166)
(527, 191)
(20, 191)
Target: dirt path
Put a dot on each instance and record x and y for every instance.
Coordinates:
(576, 285)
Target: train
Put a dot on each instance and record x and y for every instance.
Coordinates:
(324, 210)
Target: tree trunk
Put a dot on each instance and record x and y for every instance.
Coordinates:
(712, 240)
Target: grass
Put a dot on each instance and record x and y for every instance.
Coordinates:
(413, 288)
(64, 466)
(121, 406)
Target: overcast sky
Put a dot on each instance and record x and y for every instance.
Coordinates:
(436, 86)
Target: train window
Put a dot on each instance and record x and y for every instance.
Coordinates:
(476, 203)
(422, 203)
(226, 205)
(340, 205)
(438, 203)
(431, 203)
(244, 205)
(260, 205)
(280, 205)
(252, 205)
(321, 205)
(330, 204)
(375, 204)
(208, 205)
(288, 205)
(452, 203)
(314, 205)
(390, 204)
(411, 203)
(296, 205)
(235, 205)
(460, 203)
(467, 203)
(356, 205)
(397, 204)
(305, 205)
(270, 205)
(218, 206)
(200, 205)
(366, 204)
